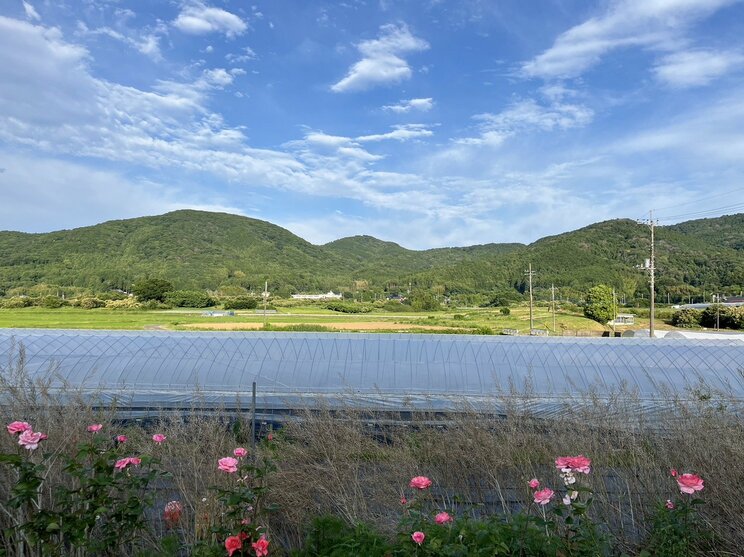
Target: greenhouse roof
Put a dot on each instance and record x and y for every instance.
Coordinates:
(160, 369)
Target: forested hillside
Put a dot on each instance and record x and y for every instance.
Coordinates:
(201, 250)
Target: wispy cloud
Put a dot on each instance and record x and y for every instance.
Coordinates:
(147, 43)
(402, 132)
(407, 105)
(694, 68)
(381, 62)
(526, 115)
(31, 12)
(197, 18)
(657, 24)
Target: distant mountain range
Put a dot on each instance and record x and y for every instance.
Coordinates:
(195, 249)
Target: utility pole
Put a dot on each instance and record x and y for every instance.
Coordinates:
(718, 312)
(552, 299)
(265, 298)
(650, 266)
(614, 311)
(529, 274)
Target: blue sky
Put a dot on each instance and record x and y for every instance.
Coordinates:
(425, 123)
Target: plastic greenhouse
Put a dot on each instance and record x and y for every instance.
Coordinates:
(147, 372)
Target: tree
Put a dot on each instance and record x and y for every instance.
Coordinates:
(151, 289)
(600, 304)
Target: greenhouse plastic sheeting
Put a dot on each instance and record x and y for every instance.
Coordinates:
(176, 370)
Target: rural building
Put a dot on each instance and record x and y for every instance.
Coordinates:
(327, 296)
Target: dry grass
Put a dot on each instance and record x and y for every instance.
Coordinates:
(347, 463)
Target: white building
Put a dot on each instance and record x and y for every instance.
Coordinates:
(327, 296)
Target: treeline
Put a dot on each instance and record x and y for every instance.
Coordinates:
(199, 251)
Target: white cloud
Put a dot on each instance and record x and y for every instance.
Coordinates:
(31, 12)
(707, 137)
(693, 68)
(402, 132)
(197, 18)
(77, 195)
(147, 44)
(525, 116)
(406, 105)
(658, 24)
(246, 54)
(381, 62)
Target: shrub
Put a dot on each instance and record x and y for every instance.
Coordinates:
(347, 307)
(126, 303)
(505, 311)
(686, 318)
(241, 302)
(51, 302)
(152, 289)
(16, 302)
(727, 317)
(189, 299)
(89, 303)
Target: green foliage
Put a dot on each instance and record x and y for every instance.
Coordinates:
(52, 302)
(242, 302)
(330, 536)
(197, 250)
(599, 304)
(727, 317)
(101, 509)
(504, 311)
(423, 300)
(677, 531)
(89, 303)
(16, 302)
(152, 289)
(686, 318)
(347, 307)
(189, 299)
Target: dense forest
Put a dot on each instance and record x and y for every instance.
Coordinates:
(201, 250)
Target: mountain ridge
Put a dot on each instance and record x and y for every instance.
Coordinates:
(199, 249)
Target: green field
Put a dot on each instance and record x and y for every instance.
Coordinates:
(462, 320)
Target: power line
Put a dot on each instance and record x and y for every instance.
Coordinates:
(698, 200)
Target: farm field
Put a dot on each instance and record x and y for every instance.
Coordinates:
(461, 320)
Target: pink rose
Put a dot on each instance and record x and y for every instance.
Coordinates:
(689, 483)
(418, 537)
(95, 428)
(121, 439)
(14, 428)
(232, 544)
(228, 464)
(240, 452)
(673, 472)
(30, 440)
(158, 438)
(403, 500)
(270, 437)
(128, 461)
(261, 547)
(669, 505)
(534, 483)
(573, 464)
(543, 496)
(443, 518)
(420, 482)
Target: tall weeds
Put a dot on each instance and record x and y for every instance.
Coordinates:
(354, 463)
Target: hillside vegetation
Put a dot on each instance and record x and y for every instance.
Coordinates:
(201, 250)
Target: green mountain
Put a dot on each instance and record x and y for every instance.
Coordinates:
(726, 231)
(195, 249)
